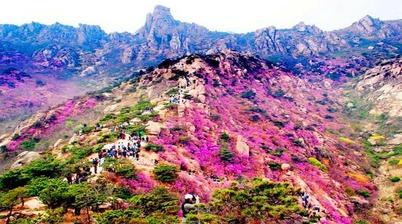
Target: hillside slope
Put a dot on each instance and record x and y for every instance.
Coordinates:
(218, 118)
(374, 104)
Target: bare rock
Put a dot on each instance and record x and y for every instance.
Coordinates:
(25, 158)
(73, 139)
(57, 143)
(154, 128)
(396, 140)
(242, 147)
(285, 166)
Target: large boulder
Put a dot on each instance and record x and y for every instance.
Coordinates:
(241, 146)
(285, 166)
(73, 139)
(154, 128)
(25, 158)
(396, 140)
(57, 143)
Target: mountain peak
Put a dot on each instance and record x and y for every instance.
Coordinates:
(160, 9)
(367, 18)
(159, 18)
(160, 14)
(302, 27)
(367, 25)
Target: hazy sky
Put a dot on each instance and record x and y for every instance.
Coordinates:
(222, 15)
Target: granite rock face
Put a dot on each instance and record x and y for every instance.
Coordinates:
(382, 86)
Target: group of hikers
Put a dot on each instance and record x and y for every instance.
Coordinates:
(126, 146)
(81, 175)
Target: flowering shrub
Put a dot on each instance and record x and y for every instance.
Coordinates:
(142, 183)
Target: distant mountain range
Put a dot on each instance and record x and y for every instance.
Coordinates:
(162, 37)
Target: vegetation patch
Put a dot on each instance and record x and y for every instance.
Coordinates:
(347, 140)
(46, 167)
(165, 173)
(248, 94)
(225, 154)
(315, 162)
(29, 144)
(154, 147)
(252, 202)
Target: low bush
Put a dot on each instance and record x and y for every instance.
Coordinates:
(248, 94)
(165, 173)
(315, 162)
(277, 152)
(29, 144)
(184, 139)
(257, 109)
(108, 137)
(107, 117)
(122, 167)
(154, 147)
(279, 93)
(172, 92)
(159, 200)
(274, 166)
(78, 152)
(225, 137)
(254, 118)
(117, 216)
(136, 129)
(15, 137)
(363, 193)
(225, 154)
(215, 117)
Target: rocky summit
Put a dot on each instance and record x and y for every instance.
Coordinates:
(178, 124)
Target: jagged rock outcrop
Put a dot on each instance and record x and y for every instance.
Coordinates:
(382, 87)
(25, 158)
(373, 28)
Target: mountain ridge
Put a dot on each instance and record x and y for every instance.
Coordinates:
(275, 129)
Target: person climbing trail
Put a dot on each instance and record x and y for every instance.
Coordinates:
(189, 206)
(95, 163)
